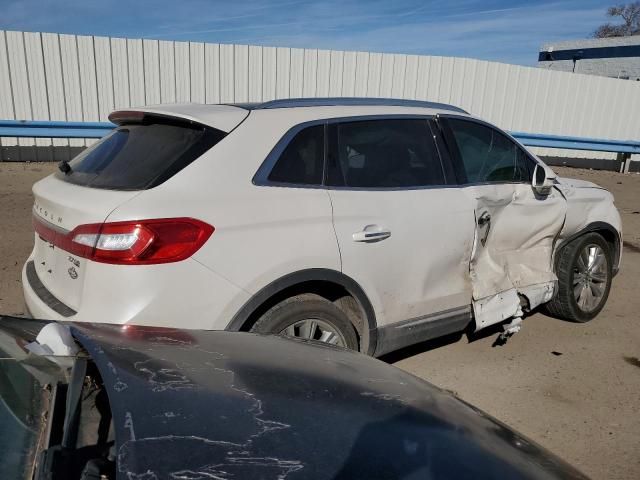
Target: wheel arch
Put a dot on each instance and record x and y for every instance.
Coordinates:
(608, 232)
(243, 319)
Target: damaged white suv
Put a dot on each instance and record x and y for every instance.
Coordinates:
(368, 223)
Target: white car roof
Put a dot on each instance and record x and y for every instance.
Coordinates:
(226, 117)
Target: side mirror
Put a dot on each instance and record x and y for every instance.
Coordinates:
(540, 182)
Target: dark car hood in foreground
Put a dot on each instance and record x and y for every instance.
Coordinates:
(222, 405)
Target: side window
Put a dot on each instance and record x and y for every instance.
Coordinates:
(384, 154)
(302, 160)
(489, 156)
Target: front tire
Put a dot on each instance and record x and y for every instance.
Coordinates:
(584, 270)
(310, 317)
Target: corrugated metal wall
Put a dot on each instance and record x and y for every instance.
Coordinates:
(46, 76)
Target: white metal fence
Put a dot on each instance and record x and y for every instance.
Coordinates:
(48, 76)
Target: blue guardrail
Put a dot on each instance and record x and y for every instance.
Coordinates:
(53, 129)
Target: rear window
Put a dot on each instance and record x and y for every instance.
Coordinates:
(141, 155)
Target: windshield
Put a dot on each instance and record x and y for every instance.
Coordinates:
(23, 402)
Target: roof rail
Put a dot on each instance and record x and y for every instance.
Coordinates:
(353, 101)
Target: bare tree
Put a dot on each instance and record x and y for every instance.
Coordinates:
(629, 13)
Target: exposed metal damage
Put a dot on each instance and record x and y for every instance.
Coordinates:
(210, 457)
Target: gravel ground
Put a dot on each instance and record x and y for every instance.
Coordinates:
(574, 388)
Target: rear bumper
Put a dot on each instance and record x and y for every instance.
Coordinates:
(43, 294)
(35, 306)
(179, 295)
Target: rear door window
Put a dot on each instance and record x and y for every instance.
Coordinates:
(141, 155)
(385, 153)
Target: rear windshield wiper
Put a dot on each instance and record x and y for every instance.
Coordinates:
(64, 167)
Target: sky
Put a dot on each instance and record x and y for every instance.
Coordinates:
(498, 30)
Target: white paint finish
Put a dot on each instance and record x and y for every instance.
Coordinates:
(309, 82)
(296, 73)
(54, 81)
(120, 68)
(212, 72)
(349, 74)
(446, 80)
(167, 60)
(182, 71)
(401, 286)
(283, 69)
(197, 72)
(88, 80)
(104, 76)
(71, 83)
(323, 77)
(269, 76)
(6, 99)
(227, 72)
(135, 58)
(455, 81)
(241, 73)
(336, 61)
(478, 87)
(36, 78)
(435, 78)
(422, 78)
(410, 86)
(255, 74)
(399, 73)
(17, 66)
(386, 75)
(222, 117)
(374, 74)
(19, 81)
(151, 72)
(99, 74)
(513, 250)
(361, 74)
(279, 230)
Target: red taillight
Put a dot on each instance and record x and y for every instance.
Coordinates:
(142, 242)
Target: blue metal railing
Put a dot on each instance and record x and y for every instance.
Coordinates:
(54, 129)
(50, 129)
(577, 143)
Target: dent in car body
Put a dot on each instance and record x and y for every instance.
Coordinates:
(589, 204)
(240, 405)
(516, 257)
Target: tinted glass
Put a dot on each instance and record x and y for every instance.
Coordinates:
(302, 160)
(489, 156)
(139, 156)
(22, 404)
(384, 154)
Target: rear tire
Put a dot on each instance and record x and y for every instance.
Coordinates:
(311, 317)
(584, 271)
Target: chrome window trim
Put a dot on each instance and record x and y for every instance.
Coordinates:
(499, 130)
(261, 177)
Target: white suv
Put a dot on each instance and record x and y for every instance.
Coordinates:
(368, 223)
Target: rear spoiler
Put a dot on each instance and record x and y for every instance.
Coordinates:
(221, 117)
